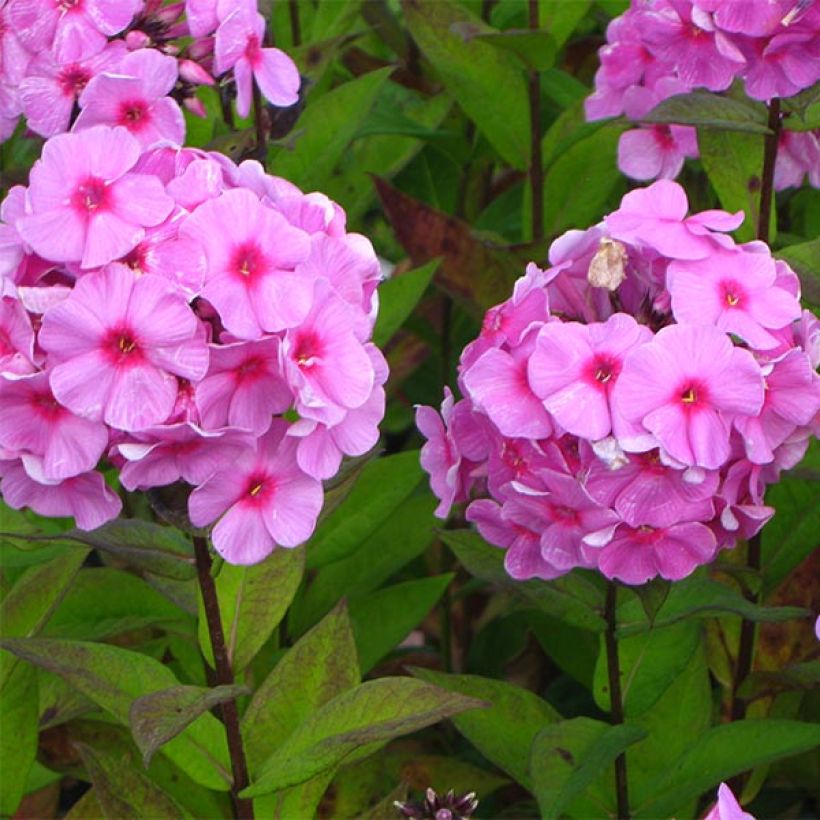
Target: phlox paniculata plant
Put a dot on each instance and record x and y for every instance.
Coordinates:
(660, 48)
(626, 407)
(178, 317)
(132, 63)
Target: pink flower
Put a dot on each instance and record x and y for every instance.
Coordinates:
(575, 367)
(118, 344)
(86, 206)
(656, 151)
(782, 66)
(325, 363)
(74, 29)
(50, 89)
(239, 47)
(727, 807)
(736, 292)
(798, 154)
(251, 251)
(34, 422)
(685, 387)
(86, 498)
(16, 337)
(175, 452)
(244, 386)
(263, 498)
(135, 97)
(636, 555)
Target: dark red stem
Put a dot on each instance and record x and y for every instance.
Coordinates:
(613, 666)
(536, 170)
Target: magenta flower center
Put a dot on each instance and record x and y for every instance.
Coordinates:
(603, 370)
(259, 486)
(693, 394)
(253, 50)
(564, 515)
(90, 196)
(133, 114)
(64, 6)
(73, 79)
(308, 350)
(250, 368)
(663, 136)
(136, 258)
(647, 536)
(122, 347)
(732, 293)
(46, 406)
(249, 261)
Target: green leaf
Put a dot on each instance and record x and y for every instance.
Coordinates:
(650, 663)
(397, 298)
(320, 666)
(124, 792)
(803, 110)
(560, 18)
(113, 677)
(384, 618)
(33, 599)
(473, 72)
(724, 751)
(734, 165)
(536, 49)
(297, 801)
(805, 260)
(103, 602)
(558, 599)
(399, 539)
(652, 596)
(157, 718)
(704, 109)
(327, 127)
(252, 601)
(18, 734)
(383, 484)
(569, 755)
(504, 732)
(354, 724)
(579, 182)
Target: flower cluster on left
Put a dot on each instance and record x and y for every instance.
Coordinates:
(185, 319)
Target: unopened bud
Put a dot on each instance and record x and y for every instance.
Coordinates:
(201, 47)
(194, 73)
(170, 14)
(136, 40)
(195, 106)
(606, 270)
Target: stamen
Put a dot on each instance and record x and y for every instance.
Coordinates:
(256, 489)
(689, 396)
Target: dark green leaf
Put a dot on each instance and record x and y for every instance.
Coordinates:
(384, 618)
(252, 601)
(803, 110)
(397, 298)
(354, 724)
(569, 755)
(383, 484)
(805, 260)
(704, 109)
(560, 18)
(504, 732)
(556, 599)
(319, 667)
(157, 718)
(725, 751)
(799, 676)
(473, 72)
(124, 792)
(652, 596)
(18, 734)
(113, 677)
(536, 49)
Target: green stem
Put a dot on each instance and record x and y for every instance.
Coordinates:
(615, 696)
(243, 807)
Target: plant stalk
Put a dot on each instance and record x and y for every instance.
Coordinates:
(536, 160)
(260, 122)
(295, 25)
(767, 181)
(616, 696)
(243, 807)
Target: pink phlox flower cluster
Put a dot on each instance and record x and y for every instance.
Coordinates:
(659, 48)
(131, 63)
(626, 408)
(177, 317)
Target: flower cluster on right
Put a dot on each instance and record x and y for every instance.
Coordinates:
(659, 48)
(625, 409)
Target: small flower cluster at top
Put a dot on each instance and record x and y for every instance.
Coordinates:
(625, 408)
(124, 63)
(186, 319)
(659, 48)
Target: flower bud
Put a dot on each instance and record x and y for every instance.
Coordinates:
(606, 270)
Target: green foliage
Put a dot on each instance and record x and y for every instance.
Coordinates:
(707, 110)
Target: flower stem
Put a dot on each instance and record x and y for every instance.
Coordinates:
(536, 170)
(243, 808)
(295, 25)
(260, 121)
(767, 182)
(616, 697)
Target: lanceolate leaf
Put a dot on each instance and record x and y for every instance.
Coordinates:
(705, 109)
(533, 47)
(123, 791)
(18, 734)
(725, 751)
(252, 602)
(397, 298)
(113, 677)
(157, 718)
(473, 72)
(354, 724)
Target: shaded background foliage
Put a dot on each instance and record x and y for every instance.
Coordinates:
(418, 118)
